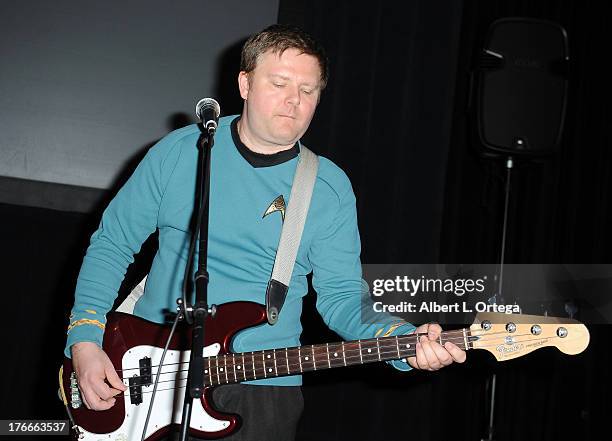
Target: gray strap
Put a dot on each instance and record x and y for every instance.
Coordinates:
(127, 306)
(291, 234)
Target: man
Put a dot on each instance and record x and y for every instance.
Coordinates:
(283, 72)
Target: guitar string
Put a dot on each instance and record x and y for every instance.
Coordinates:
(348, 347)
(346, 344)
(220, 383)
(322, 364)
(384, 350)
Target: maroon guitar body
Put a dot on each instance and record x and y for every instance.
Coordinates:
(127, 341)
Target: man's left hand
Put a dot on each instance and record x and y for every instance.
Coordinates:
(430, 354)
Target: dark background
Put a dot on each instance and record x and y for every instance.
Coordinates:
(395, 118)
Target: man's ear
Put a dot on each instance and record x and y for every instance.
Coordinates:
(243, 84)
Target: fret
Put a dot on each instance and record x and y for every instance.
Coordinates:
(366, 347)
(253, 359)
(314, 361)
(234, 365)
(217, 367)
(327, 350)
(465, 341)
(275, 368)
(383, 347)
(224, 368)
(287, 360)
(397, 345)
(335, 355)
(378, 348)
(440, 338)
(406, 350)
(360, 355)
(269, 357)
(300, 358)
(243, 367)
(207, 371)
(343, 354)
(263, 357)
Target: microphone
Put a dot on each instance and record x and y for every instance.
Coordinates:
(208, 110)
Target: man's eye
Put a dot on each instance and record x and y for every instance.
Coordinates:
(307, 92)
(278, 85)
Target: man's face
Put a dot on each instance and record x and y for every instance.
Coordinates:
(281, 95)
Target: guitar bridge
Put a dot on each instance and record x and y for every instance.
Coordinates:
(75, 393)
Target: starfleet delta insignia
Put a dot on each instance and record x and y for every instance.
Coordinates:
(277, 204)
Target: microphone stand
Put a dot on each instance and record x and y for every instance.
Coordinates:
(196, 315)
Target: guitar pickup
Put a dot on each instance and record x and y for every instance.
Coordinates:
(144, 378)
(145, 371)
(135, 390)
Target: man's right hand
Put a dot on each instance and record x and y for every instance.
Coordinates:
(92, 366)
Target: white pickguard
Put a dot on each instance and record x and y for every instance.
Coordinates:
(168, 405)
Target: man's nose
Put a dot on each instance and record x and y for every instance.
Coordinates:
(293, 95)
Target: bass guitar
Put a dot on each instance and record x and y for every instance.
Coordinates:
(135, 347)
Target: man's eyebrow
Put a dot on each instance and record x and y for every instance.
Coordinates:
(282, 77)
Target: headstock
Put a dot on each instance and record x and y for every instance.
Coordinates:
(509, 336)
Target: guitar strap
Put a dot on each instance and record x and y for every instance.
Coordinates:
(291, 236)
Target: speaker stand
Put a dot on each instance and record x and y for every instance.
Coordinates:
(498, 295)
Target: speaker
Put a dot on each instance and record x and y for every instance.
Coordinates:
(522, 81)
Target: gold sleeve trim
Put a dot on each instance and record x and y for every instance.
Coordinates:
(86, 322)
(389, 331)
(91, 311)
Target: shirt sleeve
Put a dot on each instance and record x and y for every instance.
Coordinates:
(127, 222)
(342, 296)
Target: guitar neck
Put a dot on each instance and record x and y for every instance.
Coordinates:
(237, 367)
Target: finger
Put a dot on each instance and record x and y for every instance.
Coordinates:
(113, 378)
(99, 404)
(92, 400)
(433, 331)
(421, 359)
(432, 359)
(422, 329)
(456, 352)
(84, 397)
(103, 391)
(444, 357)
(412, 362)
(99, 395)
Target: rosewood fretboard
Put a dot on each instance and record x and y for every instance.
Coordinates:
(237, 367)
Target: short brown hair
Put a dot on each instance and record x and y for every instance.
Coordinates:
(278, 38)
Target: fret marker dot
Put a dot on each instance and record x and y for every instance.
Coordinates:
(238, 367)
(306, 358)
(269, 369)
(205, 371)
(268, 356)
(221, 369)
(335, 354)
(369, 350)
(408, 345)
